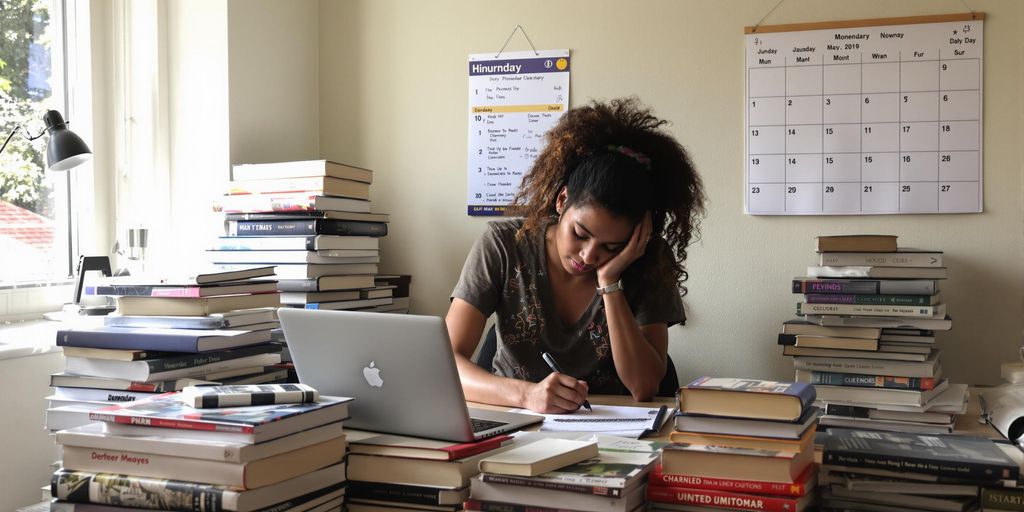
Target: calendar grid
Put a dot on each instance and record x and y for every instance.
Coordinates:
(861, 127)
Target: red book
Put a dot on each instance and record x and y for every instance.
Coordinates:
(263, 422)
(419, 448)
(804, 483)
(730, 500)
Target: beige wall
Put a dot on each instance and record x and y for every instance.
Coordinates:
(393, 97)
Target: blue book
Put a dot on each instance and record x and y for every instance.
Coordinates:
(746, 398)
(162, 339)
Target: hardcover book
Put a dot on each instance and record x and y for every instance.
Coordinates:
(394, 445)
(735, 463)
(324, 214)
(866, 286)
(491, 496)
(194, 306)
(748, 427)
(746, 398)
(538, 457)
(727, 499)
(165, 290)
(803, 485)
(294, 202)
(186, 496)
(263, 422)
(235, 319)
(80, 381)
(855, 243)
(408, 494)
(94, 435)
(304, 227)
(920, 369)
(321, 185)
(424, 472)
(877, 272)
(166, 340)
(245, 475)
(883, 322)
(298, 243)
(900, 258)
(326, 283)
(865, 381)
(176, 366)
(803, 327)
(203, 278)
(300, 169)
(807, 308)
(961, 456)
(878, 300)
(804, 341)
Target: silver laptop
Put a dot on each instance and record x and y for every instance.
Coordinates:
(399, 368)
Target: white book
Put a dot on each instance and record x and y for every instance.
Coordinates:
(94, 435)
(314, 270)
(901, 258)
(350, 304)
(140, 371)
(877, 272)
(298, 243)
(539, 457)
(926, 368)
(872, 396)
(300, 169)
(296, 256)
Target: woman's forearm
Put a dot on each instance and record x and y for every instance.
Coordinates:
(639, 359)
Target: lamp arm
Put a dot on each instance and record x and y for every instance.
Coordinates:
(14, 131)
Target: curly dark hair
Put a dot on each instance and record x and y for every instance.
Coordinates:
(578, 156)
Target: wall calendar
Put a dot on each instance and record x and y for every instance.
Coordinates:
(865, 117)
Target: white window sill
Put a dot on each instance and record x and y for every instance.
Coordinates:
(38, 337)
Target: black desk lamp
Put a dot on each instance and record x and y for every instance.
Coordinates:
(65, 149)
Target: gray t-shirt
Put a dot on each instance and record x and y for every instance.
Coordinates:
(509, 278)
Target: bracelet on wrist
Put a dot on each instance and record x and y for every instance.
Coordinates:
(614, 287)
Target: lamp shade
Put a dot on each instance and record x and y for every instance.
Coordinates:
(65, 149)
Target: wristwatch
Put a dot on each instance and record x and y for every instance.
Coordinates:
(614, 287)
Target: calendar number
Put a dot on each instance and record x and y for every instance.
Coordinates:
(755, 190)
(945, 158)
(791, 190)
(905, 188)
(867, 188)
(830, 189)
(755, 161)
(945, 188)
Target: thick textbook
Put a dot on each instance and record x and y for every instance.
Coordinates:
(194, 306)
(425, 472)
(748, 427)
(855, 243)
(497, 497)
(753, 442)
(735, 463)
(807, 308)
(539, 457)
(304, 227)
(805, 341)
(246, 475)
(94, 435)
(900, 258)
(728, 499)
(322, 185)
(162, 339)
(165, 290)
(803, 485)
(187, 496)
(803, 327)
(394, 445)
(176, 366)
(300, 169)
(866, 286)
(234, 319)
(206, 397)
(879, 396)
(960, 456)
(409, 494)
(746, 398)
(264, 422)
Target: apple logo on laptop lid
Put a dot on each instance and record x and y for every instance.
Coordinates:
(372, 376)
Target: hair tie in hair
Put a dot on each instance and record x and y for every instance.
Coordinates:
(635, 155)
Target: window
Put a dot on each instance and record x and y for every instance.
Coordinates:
(34, 203)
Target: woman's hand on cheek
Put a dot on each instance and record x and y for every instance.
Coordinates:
(612, 270)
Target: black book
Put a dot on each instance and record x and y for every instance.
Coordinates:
(304, 227)
(401, 493)
(960, 456)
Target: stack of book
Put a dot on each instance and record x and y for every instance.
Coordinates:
(872, 470)
(739, 444)
(312, 220)
(594, 473)
(167, 334)
(163, 454)
(867, 333)
(393, 472)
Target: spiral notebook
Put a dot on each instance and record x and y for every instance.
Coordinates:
(623, 421)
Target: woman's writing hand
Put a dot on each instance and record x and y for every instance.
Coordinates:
(556, 394)
(611, 271)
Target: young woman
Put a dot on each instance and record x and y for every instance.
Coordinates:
(591, 273)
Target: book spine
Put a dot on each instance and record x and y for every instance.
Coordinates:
(611, 492)
(194, 360)
(1002, 499)
(892, 259)
(156, 321)
(804, 308)
(148, 291)
(411, 494)
(178, 423)
(720, 499)
(921, 369)
(975, 469)
(244, 228)
(493, 506)
(657, 478)
(861, 287)
(871, 381)
(115, 489)
(98, 460)
(129, 340)
(298, 285)
(878, 300)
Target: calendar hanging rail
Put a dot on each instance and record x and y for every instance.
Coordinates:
(904, 20)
